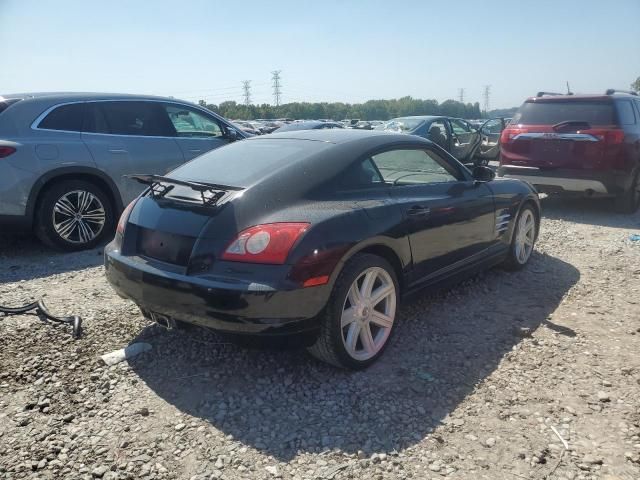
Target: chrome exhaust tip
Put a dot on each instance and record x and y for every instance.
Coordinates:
(163, 321)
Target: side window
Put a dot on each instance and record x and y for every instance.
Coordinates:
(408, 167)
(637, 102)
(625, 113)
(189, 123)
(438, 133)
(492, 127)
(147, 119)
(459, 127)
(64, 117)
(362, 174)
(94, 119)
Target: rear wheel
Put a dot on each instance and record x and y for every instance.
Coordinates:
(524, 239)
(629, 201)
(360, 315)
(74, 215)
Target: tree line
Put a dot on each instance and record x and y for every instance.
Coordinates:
(370, 110)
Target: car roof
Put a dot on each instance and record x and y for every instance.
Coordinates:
(565, 98)
(340, 136)
(79, 96)
(422, 117)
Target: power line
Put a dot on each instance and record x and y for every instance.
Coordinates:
(486, 95)
(461, 95)
(246, 87)
(275, 77)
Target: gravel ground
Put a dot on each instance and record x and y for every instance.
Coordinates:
(476, 383)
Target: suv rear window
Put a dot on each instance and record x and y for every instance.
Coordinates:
(7, 102)
(64, 117)
(550, 113)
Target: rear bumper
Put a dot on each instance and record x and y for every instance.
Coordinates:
(569, 180)
(230, 305)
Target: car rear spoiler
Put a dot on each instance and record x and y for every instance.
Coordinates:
(210, 193)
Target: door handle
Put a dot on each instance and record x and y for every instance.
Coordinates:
(419, 211)
(117, 150)
(195, 150)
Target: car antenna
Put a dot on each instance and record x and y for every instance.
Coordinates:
(569, 92)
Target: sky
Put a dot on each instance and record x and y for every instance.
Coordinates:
(330, 50)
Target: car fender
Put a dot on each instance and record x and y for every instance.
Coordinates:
(69, 172)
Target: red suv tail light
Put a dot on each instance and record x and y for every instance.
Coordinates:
(269, 243)
(6, 151)
(122, 223)
(509, 133)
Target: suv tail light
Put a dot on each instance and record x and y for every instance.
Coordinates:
(269, 243)
(5, 151)
(614, 137)
(509, 133)
(124, 218)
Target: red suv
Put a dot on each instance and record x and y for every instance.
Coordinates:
(585, 144)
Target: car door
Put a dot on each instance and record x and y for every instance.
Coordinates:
(490, 131)
(464, 138)
(127, 137)
(196, 132)
(448, 217)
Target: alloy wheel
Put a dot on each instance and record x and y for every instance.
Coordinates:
(368, 313)
(78, 216)
(525, 236)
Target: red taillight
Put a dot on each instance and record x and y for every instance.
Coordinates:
(508, 134)
(125, 217)
(6, 151)
(614, 137)
(609, 135)
(269, 243)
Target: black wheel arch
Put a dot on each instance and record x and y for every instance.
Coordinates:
(383, 248)
(89, 174)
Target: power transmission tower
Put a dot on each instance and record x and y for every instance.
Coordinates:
(275, 78)
(486, 95)
(246, 87)
(461, 95)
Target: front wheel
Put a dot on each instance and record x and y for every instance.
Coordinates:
(524, 239)
(360, 315)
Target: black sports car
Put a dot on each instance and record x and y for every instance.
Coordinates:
(314, 233)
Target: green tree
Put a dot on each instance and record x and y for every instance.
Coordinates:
(636, 85)
(375, 109)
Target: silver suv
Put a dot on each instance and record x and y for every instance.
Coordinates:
(63, 157)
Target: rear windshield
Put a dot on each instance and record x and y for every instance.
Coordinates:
(7, 102)
(244, 162)
(550, 113)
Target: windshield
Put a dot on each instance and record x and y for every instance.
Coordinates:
(243, 163)
(403, 124)
(551, 113)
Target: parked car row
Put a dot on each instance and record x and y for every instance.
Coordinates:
(315, 231)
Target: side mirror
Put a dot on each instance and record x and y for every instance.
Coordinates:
(483, 174)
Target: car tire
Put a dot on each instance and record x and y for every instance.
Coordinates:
(629, 201)
(525, 234)
(74, 215)
(351, 319)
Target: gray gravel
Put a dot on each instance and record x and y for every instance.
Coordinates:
(470, 387)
